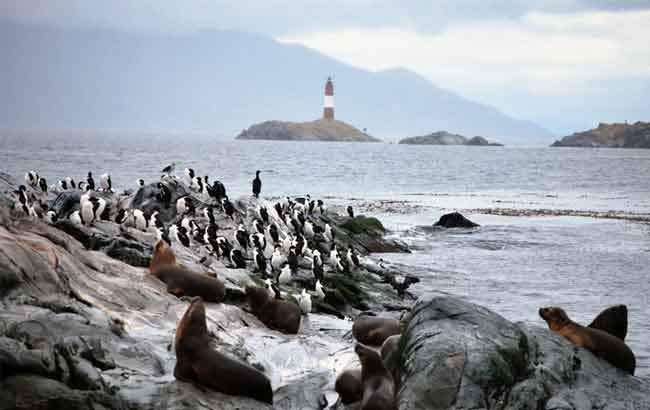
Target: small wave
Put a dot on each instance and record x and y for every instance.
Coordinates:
(634, 217)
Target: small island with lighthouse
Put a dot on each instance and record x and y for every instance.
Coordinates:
(326, 128)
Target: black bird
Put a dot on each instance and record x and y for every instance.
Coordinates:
(182, 236)
(209, 213)
(292, 259)
(242, 236)
(258, 225)
(278, 210)
(350, 211)
(312, 204)
(300, 244)
(260, 261)
(319, 204)
(165, 195)
(121, 216)
(218, 190)
(42, 183)
(169, 168)
(264, 214)
(257, 184)
(228, 207)
(317, 268)
(274, 233)
(90, 182)
(237, 259)
(224, 247)
(22, 198)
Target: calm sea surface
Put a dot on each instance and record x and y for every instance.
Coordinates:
(512, 265)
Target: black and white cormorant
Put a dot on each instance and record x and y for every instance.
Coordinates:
(350, 211)
(237, 259)
(90, 182)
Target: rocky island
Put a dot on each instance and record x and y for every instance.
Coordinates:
(323, 129)
(84, 323)
(447, 138)
(616, 135)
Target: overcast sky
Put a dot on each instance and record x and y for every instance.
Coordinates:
(533, 59)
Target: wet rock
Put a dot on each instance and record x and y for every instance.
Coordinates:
(366, 234)
(459, 355)
(16, 358)
(455, 220)
(32, 392)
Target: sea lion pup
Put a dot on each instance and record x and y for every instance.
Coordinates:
(274, 313)
(373, 330)
(377, 382)
(600, 343)
(349, 387)
(612, 320)
(196, 362)
(180, 280)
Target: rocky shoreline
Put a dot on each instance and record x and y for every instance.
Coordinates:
(614, 135)
(318, 130)
(84, 325)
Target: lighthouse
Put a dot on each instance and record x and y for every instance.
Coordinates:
(328, 105)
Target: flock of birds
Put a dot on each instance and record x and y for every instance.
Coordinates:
(276, 240)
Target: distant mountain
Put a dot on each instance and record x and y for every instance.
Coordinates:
(218, 81)
(616, 135)
(446, 138)
(319, 130)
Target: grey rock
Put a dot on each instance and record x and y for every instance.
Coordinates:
(455, 220)
(460, 355)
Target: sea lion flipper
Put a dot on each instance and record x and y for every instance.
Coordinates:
(612, 320)
(183, 372)
(178, 292)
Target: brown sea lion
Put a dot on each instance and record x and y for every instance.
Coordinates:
(390, 355)
(612, 320)
(377, 382)
(348, 385)
(180, 280)
(373, 330)
(600, 343)
(196, 362)
(274, 313)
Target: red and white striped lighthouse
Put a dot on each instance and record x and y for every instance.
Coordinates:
(328, 105)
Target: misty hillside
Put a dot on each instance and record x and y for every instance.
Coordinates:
(217, 81)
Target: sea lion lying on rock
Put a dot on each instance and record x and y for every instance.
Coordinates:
(600, 343)
(377, 382)
(274, 313)
(180, 280)
(374, 330)
(196, 362)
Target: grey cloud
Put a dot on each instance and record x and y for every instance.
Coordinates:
(282, 17)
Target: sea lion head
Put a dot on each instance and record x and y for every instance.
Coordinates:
(162, 255)
(192, 323)
(555, 317)
(257, 297)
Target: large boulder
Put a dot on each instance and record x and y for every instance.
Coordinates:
(455, 220)
(455, 354)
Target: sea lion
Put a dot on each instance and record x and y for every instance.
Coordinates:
(608, 347)
(373, 330)
(180, 280)
(612, 320)
(349, 387)
(196, 362)
(390, 355)
(274, 313)
(377, 382)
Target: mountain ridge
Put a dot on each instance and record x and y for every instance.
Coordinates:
(220, 81)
